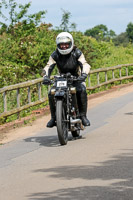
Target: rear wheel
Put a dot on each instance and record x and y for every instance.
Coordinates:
(75, 133)
(61, 122)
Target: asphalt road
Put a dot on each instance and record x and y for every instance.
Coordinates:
(99, 166)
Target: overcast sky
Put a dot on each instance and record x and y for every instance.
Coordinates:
(115, 14)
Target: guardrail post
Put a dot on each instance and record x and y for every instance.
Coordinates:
(126, 71)
(120, 74)
(18, 98)
(39, 91)
(5, 101)
(29, 95)
(113, 75)
(106, 78)
(18, 101)
(97, 78)
(89, 81)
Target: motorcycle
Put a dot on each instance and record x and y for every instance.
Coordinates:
(67, 112)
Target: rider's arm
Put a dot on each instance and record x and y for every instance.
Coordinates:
(85, 66)
(49, 67)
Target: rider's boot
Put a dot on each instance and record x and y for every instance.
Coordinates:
(52, 122)
(82, 102)
(85, 121)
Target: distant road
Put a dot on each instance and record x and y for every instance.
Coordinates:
(97, 167)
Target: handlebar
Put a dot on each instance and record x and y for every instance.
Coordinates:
(68, 76)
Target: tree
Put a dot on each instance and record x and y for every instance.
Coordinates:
(121, 39)
(111, 33)
(100, 32)
(17, 13)
(129, 31)
(65, 23)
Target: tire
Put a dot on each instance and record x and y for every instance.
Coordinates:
(75, 134)
(61, 122)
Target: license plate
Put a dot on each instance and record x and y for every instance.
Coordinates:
(61, 83)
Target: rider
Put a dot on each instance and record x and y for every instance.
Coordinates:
(68, 58)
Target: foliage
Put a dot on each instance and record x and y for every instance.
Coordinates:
(129, 31)
(28, 49)
(100, 32)
(15, 17)
(118, 55)
(65, 23)
(23, 56)
(12, 73)
(121, 39)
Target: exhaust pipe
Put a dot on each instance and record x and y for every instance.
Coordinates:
(75, 121)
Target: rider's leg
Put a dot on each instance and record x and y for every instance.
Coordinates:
(51, 123)
(82, 103)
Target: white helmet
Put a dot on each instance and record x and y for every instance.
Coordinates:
(64, 37)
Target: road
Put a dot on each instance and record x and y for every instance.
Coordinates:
(99, 166)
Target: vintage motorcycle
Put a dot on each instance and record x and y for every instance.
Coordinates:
(67, 112)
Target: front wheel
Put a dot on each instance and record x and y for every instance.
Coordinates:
(61, 122)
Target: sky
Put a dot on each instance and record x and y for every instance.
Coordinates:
(115, 14)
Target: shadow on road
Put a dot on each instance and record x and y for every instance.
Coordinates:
(48, 141)
(86, 193)
(130, 113)
(109, 180)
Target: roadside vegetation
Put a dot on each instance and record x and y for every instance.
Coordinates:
(26, 42)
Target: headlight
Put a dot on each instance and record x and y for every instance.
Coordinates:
(52, 91)
(72, 90)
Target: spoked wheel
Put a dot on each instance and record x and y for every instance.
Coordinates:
(61, 122)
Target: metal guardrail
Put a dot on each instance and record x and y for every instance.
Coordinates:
(17, 87)
(94, 81)
(127, 75)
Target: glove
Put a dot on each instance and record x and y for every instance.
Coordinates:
(46, 80)
(82, 77)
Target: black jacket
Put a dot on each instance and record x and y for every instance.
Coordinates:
(73, 62)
